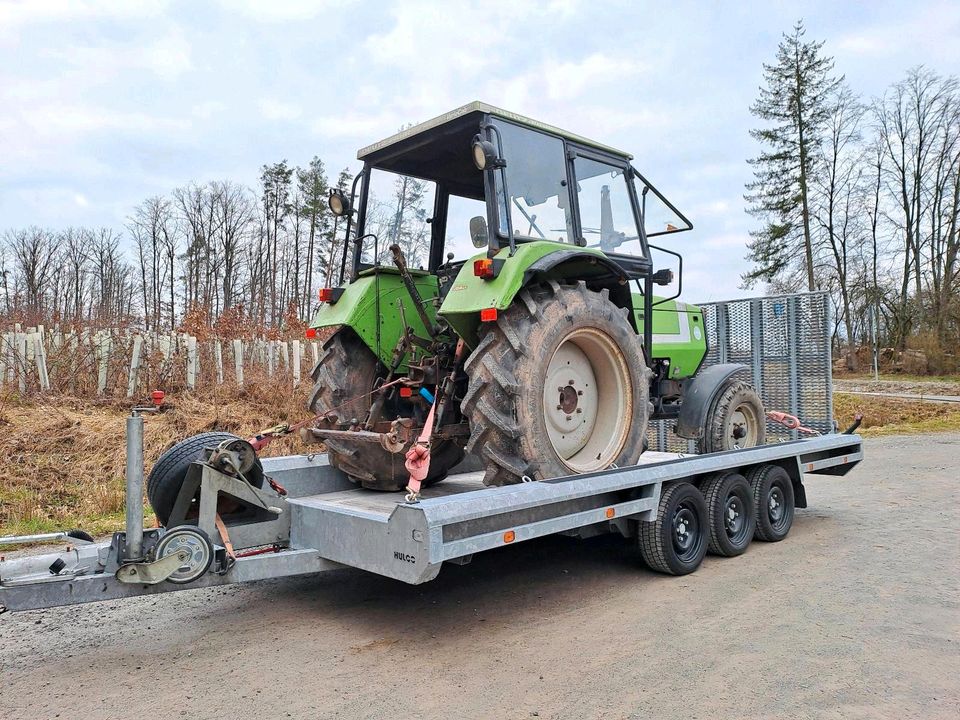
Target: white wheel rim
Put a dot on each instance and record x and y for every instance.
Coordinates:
(743, 422)
(587, 400)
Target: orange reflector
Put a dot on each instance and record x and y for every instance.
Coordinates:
(488, 315)
(311, 333)
(483, 268)
(611, 512)
(406, 392)
(509, 536)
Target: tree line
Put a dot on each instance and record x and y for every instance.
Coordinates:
(204, 251)
(860, 196)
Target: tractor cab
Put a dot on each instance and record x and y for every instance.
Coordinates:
(483, 179)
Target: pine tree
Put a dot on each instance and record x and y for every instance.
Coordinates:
(794, 104)
(312, 182)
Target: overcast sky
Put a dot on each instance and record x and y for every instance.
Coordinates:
(105, 103)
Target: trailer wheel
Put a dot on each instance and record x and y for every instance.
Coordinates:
(736, 420)
(676, 541)
(730, 508)
(772, 501)
(197, 546)
(168, 473)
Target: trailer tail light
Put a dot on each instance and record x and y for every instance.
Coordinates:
(406, 392)
(509, 536)
(488, 315)
(329, 295)
(311, 333)
(483, 268)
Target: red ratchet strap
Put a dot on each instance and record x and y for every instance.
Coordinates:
(222, 529)
(791, 422)
(418, 457)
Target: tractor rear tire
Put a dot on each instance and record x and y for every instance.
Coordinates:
(558, 386)
(344, 376)
(736, 420)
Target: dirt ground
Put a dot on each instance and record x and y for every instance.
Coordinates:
(855, 615)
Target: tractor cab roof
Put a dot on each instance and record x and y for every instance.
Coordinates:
(439, 149)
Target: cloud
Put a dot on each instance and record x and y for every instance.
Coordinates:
(275, 110)
(15, 15)
(280, 11)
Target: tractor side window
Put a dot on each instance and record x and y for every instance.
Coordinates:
(398, 211)
(537, 183)
(459, 212)
(606, 213)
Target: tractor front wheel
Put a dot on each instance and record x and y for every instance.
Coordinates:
(558, 386)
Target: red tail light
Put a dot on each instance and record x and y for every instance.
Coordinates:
(311, 333)
(488, 315)
(483, 268)
(406, 392)
(325, 294)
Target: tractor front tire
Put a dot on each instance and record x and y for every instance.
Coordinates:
(558, 386)
(736, 420)
(344, 378)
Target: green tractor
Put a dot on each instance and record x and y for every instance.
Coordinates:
(517, 321)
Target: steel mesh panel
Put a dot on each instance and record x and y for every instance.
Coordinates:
(784, 341)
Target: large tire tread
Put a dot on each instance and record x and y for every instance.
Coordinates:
(511, 452)
(347, 369)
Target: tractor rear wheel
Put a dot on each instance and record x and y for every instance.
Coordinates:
(558, 386)
(344, 377)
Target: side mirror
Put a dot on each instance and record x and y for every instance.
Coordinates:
(478, 231)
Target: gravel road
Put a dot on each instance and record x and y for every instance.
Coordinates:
(855, 615)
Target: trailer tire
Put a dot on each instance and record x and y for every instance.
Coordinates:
(773, 502)
(676, 542)
(730, 507)
(170, 470)
(736, 406)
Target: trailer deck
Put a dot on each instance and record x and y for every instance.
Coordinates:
(327, 523)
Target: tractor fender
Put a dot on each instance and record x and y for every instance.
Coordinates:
(583, 266)
(699, 392)
(533, 261)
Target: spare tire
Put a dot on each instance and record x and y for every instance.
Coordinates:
(168, 473)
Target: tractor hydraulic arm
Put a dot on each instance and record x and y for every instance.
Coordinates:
(401, 262)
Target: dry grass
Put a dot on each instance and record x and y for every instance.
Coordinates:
(890, 416)
(62, 460)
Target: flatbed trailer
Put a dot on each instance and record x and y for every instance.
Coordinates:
(324, 522)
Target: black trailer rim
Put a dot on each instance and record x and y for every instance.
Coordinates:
(735, 518)
(776, 507)
(686, 531)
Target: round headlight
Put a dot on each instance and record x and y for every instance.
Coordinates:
(339, 205)
(479, 155)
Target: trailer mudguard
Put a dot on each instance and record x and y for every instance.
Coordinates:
(470, 294)
(699, 392)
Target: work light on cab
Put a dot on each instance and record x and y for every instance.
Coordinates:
(485, 155)
(339, 203)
